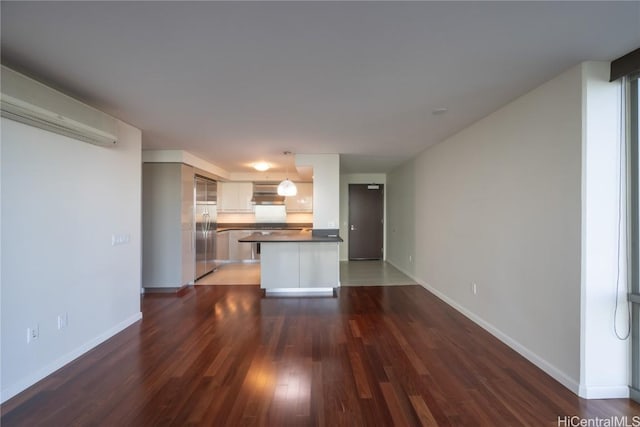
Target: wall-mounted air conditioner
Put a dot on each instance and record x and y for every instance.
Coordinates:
(27, 101)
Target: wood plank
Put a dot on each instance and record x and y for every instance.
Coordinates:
(397, 414)
(369, 356)
(359, 376)
(422, 411)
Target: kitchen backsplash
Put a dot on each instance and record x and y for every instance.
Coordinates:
(250, 218)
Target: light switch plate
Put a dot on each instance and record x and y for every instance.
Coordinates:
(120, 239)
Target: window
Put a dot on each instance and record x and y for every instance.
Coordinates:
(627, 67)
(633, 167)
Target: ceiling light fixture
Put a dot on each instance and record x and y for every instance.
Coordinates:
(287, 187)
(261, 166)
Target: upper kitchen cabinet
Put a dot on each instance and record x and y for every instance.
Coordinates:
(303, 201)
(235, 196)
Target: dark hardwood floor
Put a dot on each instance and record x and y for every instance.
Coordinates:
(224, 355)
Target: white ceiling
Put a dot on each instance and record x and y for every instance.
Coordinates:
(237, 82)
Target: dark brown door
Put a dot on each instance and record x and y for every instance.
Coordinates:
(366, 210)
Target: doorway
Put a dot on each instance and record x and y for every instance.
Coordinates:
(366, 221)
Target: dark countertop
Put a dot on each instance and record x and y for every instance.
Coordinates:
(287, 236)
(263, 226)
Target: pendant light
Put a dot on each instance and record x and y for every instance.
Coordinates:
(287, 187)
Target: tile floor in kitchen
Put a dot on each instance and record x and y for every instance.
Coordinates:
(352, 273)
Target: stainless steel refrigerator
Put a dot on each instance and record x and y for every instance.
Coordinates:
(206, 223)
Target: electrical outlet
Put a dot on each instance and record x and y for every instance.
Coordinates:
(33, 333)
(63, 320)
(474, 288)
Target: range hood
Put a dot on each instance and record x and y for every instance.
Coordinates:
(266, 193)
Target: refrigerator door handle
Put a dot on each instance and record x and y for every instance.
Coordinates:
(205, 222)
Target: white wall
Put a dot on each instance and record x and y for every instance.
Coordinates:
(62, 200)
(401, 218)
(525, 204)
(604, 357)
(357, 178)
(499, 204)
(326, 188)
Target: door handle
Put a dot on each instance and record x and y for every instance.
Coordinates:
(205, 222)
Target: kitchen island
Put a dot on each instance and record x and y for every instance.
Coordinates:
(298, 262)
(230, 250)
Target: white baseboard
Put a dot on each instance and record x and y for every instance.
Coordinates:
(531, 356)
(604, 392)
(13, 389)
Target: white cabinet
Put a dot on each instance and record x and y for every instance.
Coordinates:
(235, 196)
(222, 246)
(168, 255)
(299, 265)
(239, 251)
(229, 249)
(188, 253)
(319, 265)
(279, 265)
(303, 201)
